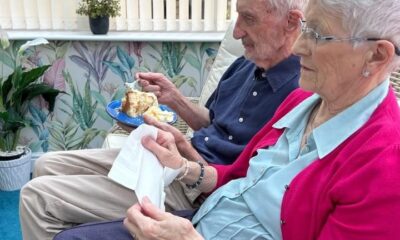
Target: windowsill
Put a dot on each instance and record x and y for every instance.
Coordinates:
(118, 36)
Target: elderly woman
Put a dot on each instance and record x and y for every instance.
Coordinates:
(327, 166)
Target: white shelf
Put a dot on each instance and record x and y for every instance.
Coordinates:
(119, 36)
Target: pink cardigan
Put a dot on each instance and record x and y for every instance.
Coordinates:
(351, 194)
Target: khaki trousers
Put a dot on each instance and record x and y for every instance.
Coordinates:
(72, 187)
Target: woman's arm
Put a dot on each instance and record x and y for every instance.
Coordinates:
(165, 149)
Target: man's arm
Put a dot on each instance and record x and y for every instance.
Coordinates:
(195, 116)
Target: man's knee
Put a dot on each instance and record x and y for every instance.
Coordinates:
(29, 193)
(42, 164)
(35, 187)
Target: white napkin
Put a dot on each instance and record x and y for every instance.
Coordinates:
(139, 169)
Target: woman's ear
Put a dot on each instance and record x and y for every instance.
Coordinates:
(294, 18)
(380, 55)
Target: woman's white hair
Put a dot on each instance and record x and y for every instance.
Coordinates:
(284, 6)
(367, 18)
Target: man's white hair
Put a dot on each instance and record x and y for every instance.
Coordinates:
(367, 18)
(284, 6)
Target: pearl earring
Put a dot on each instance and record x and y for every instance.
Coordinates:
(365, 73)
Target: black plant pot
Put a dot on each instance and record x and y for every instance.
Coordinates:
(99, 25)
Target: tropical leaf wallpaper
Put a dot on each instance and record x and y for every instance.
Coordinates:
(93, 74)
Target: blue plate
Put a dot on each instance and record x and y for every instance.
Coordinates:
(114, 110)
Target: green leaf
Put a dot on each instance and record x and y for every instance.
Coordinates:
(31, 76)
(117, 69)
(119, 94)
(7, 59)
(101, 112)
(99, 98)
(36, 146)
(193, 61)
(125, 59)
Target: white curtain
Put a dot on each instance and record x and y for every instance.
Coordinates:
(31, 14)
(184, 15)
(136, 15)
(132, 14)
(171, 15)
(5, 14)
(69, 14)
(221, 16)
(158, 15)
(145, 15)
(44, 14)
(209, 15)
(17, 14)
(121, 20)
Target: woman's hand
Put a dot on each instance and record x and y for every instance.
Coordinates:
(165, 149)
(160, 85)
(180, 139)
(185, 148)
(147, 222)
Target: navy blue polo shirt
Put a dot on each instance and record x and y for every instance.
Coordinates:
(245, 100)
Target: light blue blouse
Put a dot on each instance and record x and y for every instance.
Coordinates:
(249, 207)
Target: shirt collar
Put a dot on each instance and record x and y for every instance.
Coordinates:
(343, 125)
(348, 121)
(278, 75)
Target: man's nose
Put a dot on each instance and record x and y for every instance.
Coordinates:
(238, 32)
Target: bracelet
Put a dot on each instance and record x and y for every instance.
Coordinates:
(200, 179)
(186, 162)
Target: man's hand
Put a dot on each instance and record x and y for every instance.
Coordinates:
(147, 222)
(160, 85)
(167, 93)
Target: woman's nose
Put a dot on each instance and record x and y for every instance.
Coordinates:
(300, 47)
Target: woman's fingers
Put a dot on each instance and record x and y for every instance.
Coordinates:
(150, 210)
(139, 224)
(161, 125)
(165, 151)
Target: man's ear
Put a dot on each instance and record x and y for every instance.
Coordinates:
(293, 20)
(380, 55)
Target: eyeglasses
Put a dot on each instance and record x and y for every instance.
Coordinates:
(309, 33)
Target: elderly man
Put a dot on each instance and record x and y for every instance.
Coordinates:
(72, 187)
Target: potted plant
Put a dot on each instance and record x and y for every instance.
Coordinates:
(16, 91)
(99, 12)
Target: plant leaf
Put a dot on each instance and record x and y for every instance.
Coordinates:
(54, 77)
(125, 59)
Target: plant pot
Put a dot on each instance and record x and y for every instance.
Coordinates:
(99, 25)
(14, 174)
